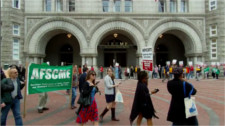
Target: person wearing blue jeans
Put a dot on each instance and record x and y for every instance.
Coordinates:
(74, 95)
(10, 97)
(74, 87)
(15, 106)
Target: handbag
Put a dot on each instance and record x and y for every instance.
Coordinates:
(189, 102)
(85, 101)
(119, 97)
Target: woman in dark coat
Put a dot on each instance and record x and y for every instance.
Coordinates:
(176, 112)
(142, 105)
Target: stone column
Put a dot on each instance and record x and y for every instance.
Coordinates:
(27, 59)
(36, 60)
(194, 64)
(53, 5)
(122, 6)
(65, 3)
(94, 61)
(42, 60)
(167, 6)
(111, 5)
(140, 64)
(178, 6)
(83, 60)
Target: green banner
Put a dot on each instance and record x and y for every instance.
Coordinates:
(45, 78)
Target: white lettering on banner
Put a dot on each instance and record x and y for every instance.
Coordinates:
(42, 73)
(68, 73)
(53, 74)
(62, 74)
(50, 74)
(35, 74)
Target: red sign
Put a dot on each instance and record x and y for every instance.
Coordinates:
(147, 65)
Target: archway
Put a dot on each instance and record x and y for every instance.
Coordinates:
(189, 36)
(117, 47)
(167, 48)
(64, 48)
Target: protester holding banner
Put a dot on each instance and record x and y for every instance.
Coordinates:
(132, 72)
(217, 72)
(10, 97)
(142, 104)
(187, 72)
(206, 72)
(176, 112)
(89, 112)
(191, 71)
(110, 93)
(166, 73)
(171, 71)
(101, 72)
(198, 72)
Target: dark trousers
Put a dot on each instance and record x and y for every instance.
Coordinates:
(190, 121)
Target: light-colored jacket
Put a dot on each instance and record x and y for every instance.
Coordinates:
(108, 85)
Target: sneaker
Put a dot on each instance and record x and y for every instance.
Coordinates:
(45, 108)
(40, 110)
(73, 107)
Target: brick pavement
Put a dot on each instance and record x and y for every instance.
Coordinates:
(210, 104)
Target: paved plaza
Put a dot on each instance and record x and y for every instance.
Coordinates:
(209, 98)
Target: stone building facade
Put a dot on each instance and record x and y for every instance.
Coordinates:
(100, 32)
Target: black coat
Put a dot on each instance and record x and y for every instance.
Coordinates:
(7, 87)
(142, 103)
(177, 110)
(82, 80)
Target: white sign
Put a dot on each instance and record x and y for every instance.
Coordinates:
(213, 63)
(181, 63)
(174, 61)
(168, 63)
(190, 63)
(218, 64)
(147, 53)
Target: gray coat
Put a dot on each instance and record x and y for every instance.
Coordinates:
(108, 85)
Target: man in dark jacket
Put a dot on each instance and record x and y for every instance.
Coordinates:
(82, 78)
(10, 97)
(82, 81)
(175, 87)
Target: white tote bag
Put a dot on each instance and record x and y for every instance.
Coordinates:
(189, 102)
(119, 97)
(190, 107)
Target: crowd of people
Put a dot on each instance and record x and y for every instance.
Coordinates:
(84, 79)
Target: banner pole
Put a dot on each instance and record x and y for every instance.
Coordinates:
(25, 91)
(71, 89)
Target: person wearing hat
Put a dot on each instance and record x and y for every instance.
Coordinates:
(176, 113)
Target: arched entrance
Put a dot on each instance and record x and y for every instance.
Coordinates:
(167, 48)
(184, 33)
(117, 47)
(64, 48)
